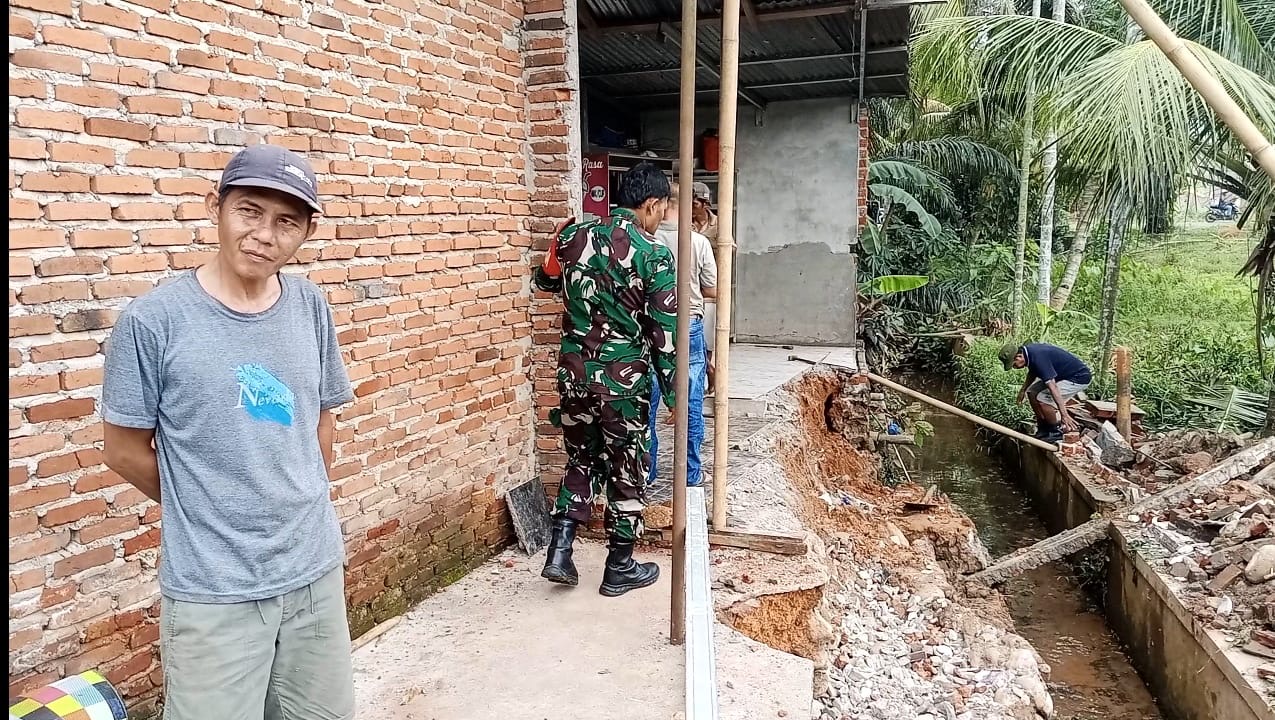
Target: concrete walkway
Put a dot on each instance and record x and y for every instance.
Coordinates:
(503, 643)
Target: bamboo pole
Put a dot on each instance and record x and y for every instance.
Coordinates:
(686, 165)
(1124, 394)
(1209, 87)
(725, 254)
(961, 413)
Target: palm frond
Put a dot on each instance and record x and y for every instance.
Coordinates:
(1234, 407)
(951, 156)
(921, 182)
(1132, 114)
(1226, 27)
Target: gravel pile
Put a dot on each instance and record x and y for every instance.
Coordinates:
(907, 651)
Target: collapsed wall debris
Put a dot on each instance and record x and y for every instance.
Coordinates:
(891, 635)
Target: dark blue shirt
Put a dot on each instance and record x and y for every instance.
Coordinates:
(1050, 362)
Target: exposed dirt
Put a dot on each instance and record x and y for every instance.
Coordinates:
(890, 581)
(781, 621)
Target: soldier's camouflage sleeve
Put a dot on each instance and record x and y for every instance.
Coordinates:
(660, 323)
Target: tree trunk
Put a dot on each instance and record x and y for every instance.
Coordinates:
(1049, 163)
(1268, 430)
(1024, 184)
(1083, 212)
(1117, 222)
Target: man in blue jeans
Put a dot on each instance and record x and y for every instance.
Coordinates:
(704, 273)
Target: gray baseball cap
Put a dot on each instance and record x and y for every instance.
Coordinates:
(275, 168)
(701, 191)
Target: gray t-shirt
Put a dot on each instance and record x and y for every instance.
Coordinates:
(234, 399)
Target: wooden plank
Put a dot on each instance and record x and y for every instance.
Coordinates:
(1265, 637)
(777, 543)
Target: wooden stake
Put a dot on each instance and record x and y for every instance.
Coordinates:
(1124, 394)
(728, 102)
(686, 166)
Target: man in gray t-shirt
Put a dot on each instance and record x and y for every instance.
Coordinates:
(232, 372)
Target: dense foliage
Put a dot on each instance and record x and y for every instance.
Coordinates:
(1128, 266)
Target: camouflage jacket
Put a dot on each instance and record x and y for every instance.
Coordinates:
(619, 288)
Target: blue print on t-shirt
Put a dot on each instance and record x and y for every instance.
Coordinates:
(263, 395)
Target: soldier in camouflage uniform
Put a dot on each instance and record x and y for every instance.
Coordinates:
(618, 287)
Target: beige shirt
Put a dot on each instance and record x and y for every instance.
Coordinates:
(704, 270)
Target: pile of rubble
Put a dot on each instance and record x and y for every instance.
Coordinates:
(1221, 548)
(1152, 463)
(907, 651)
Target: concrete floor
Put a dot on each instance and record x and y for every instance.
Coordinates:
(503, 643)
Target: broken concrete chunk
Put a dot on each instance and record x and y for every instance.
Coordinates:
(1225, 579)
(1116, 451)
(1262, 567)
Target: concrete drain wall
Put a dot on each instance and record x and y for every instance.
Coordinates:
(1186, 668)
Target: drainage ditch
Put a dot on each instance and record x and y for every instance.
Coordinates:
(1091, 678)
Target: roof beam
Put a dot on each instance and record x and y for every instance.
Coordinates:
(648, 26)
(750, 13)
(706, 67)
(750, 63)
(796, 83)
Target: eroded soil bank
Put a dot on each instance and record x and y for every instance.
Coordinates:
(891, 636)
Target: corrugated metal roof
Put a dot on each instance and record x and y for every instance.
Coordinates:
(641, 65)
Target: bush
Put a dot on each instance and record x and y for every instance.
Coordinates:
(1185, 317)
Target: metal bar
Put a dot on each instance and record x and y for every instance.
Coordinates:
(755, 62)
(641, 26)
(711, 70)
(961, 413)
(701, 670)
(726, 125)
(746, 88)
(863, 62)
(685, 171)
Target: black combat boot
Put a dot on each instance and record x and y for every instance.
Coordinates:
(623, 573)
(558, 565)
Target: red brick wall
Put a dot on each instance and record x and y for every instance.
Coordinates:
(553, 105)
(438, 129)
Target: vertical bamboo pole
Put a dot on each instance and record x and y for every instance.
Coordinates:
(1208, 86)
(686, 166)
(1124, 394)
(728, 106)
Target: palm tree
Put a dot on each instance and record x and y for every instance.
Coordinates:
(1049, 164)
(1123, 112)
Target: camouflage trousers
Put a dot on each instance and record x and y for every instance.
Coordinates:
(608, 450)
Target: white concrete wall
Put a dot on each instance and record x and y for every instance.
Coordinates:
(796, 219)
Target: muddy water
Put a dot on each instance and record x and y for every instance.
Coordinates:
(1091, 677)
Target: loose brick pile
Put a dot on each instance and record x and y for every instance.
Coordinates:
(439, 132)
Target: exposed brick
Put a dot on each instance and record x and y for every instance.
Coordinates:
(117, 128)
(438, 177)
(83, 561)
(74, 512)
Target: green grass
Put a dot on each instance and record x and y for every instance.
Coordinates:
(1185, 315)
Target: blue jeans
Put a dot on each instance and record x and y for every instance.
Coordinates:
(695, 417)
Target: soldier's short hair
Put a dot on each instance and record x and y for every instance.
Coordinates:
(640, 183)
